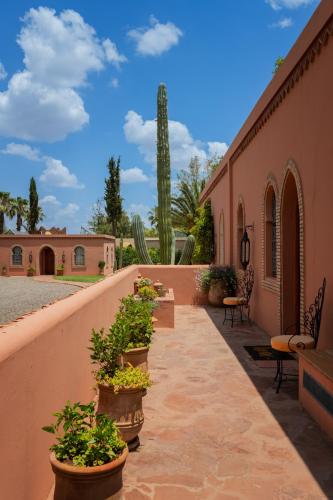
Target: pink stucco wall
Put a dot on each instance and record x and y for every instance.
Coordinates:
(96, 248)
(44, 361)
(297, 135)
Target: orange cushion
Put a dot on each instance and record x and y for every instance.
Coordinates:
(297, 343)
(233, 301)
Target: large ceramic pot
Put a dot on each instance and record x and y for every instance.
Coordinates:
(138, 358)
(125, 408)
(60, 272)
(217, 292)
(87, 483)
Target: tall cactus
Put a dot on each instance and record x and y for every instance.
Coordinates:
(163, 177)
(139, 240)
(165, 230)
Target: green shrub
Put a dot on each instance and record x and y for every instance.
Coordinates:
(101, 264)
(227, 275)
(129, 256)
(127, 378)
(107, 348)
(147, 293)
(136, 316)
(85, 439)
(203, 231)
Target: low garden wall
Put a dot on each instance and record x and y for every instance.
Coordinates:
(44, 361)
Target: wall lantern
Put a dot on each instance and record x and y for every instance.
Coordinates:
(245, 249)
(30, 257)
(63, 257)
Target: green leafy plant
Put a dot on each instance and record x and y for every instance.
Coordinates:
(203, 231)
(107, 348)
(101, 264)
(136, 318)
(147, 293)
(31, 271)
(144, 282)
(83, 438)
(60, 267)
(225, 274)
(128, 378)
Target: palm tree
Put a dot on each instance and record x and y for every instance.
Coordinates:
(21, 211)
(6, 208)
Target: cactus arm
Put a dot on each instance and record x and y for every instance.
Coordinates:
(186, 256)
(163, 177)
(139, 240)
(173, 247)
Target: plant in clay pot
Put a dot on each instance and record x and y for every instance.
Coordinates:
(31, 271)
(4, 271)
(101, 265)
(202, 282)
(223, 283)
(60, 269)
(136, 316)
(147, 293)
(121, 389)
(89, 455)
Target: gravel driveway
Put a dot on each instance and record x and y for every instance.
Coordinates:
(20, 295)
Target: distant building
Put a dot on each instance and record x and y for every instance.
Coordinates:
(80, 254)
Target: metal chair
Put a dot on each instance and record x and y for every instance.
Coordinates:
(294, 339)
(242, 301)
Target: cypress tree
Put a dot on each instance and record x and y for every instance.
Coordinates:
(34, 212)
(112, 197)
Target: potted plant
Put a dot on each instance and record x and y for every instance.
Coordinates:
(4, 271)
(202, 281)
(31, 271)
(147, 293)
(136, 316)
(89, 455)
(223, 283)
(60, 269)
(121, 389)
(101, 265)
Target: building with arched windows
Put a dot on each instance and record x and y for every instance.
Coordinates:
(77, 254)
(276, 180)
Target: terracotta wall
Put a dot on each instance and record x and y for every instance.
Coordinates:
(296, 136)
(180, 278)
(44, 361)
(95, 250)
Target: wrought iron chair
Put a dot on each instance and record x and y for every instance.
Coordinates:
(296, 339)
(242, 301)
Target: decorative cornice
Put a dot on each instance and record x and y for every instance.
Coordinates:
(312, 52)
(217, 179)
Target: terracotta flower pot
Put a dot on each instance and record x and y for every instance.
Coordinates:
(88, 483)
(125, 408)
(217, 292)
(60, 272)
(138, 358)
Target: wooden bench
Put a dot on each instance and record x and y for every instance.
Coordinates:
(316, 386)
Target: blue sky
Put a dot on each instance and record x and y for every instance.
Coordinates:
(78, 83)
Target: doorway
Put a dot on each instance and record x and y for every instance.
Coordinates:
(290, 258)
(46, 261)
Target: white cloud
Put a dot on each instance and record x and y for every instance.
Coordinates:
(284, 23)
(58, 175)
(60, 51)
(55, 173)
(133, 175)
(114, 83)
(3, 72)
(111, 53)
(288, 4)
(156, 39)
(50, 200)
(182, 145)
(24, 150)
(70, 210)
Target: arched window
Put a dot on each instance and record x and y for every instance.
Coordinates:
(17, 256)
(240, 230)
(270, 230)
(79, 256)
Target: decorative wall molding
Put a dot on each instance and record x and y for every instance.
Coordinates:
(310, 55)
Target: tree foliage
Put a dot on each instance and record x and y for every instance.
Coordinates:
(203, 231)
(113, 201)
(35, 213)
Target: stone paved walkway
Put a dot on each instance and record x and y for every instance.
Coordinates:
(214, 427)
